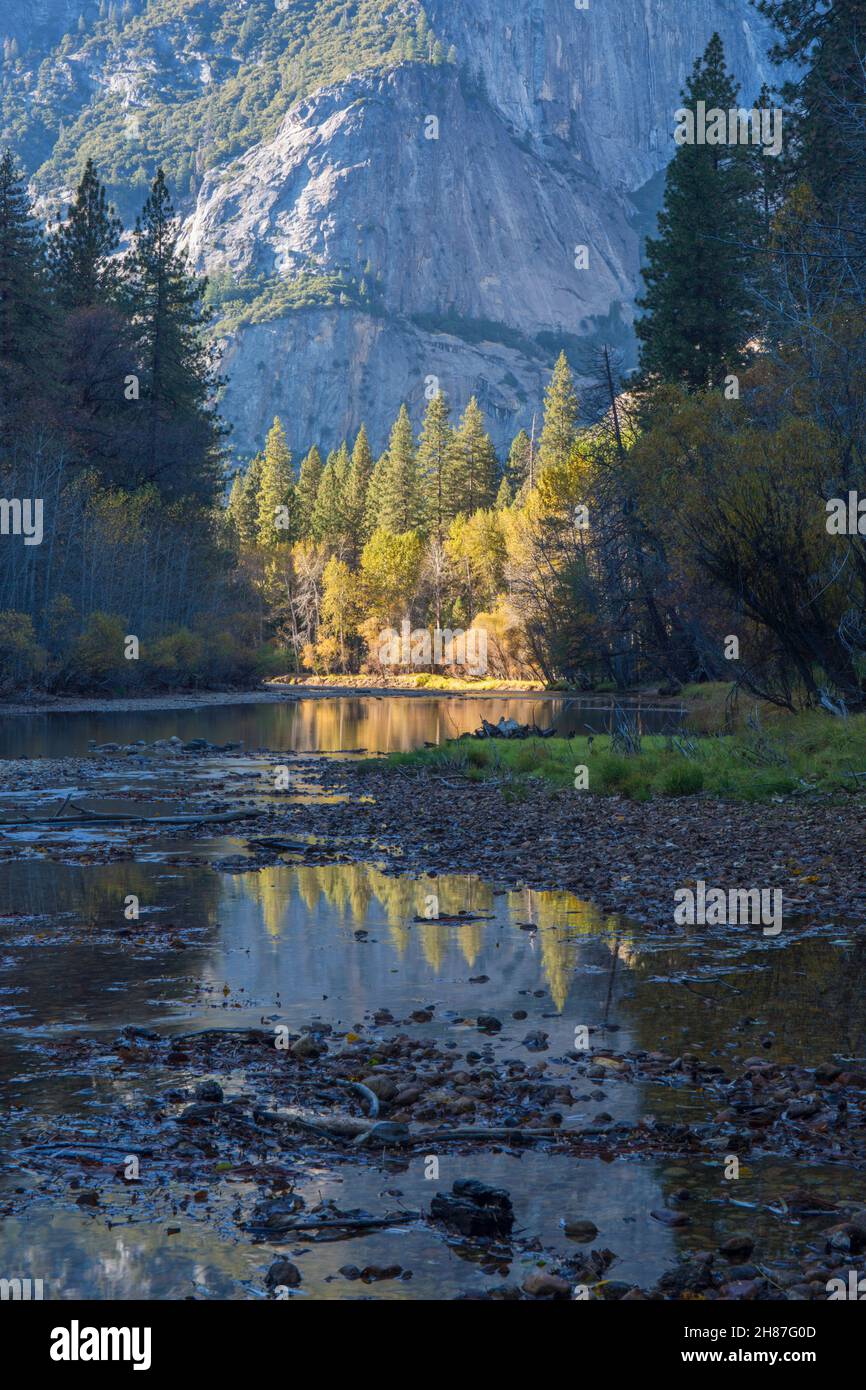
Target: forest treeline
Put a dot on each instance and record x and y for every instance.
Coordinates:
(672, 527)
(667, 526)
(108, 423)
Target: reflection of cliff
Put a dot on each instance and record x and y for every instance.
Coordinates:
(362, 897)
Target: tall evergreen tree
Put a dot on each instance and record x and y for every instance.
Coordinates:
(518, 465)
(329, 520)
(23, 301)
(474, 468)
(182, 436)
(248, 503)
(81, 251)
(375, 490)
(699, 304)
(827, 42)
(277, 506)
(560, 417)
(309, 478)
(434, 461)
(356, 499)
(234, 506)
(401, 502)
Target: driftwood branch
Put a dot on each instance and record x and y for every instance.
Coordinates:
(107, 818)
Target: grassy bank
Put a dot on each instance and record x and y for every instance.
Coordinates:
(797, 754)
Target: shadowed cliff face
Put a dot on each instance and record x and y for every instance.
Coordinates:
(457, 199)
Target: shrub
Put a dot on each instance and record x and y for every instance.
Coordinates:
(96, 656)
(21, 658)
(682, 779)
(175, 659)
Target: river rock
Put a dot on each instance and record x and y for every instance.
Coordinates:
(546, 1286)
(385, 1087)
(198, 1114)
(670, 1218)
(738, 1247)
(580, 1230)
(283, 1273)
(474, 1209)
(487, 1023)
(209, 1090)
(386, 1133)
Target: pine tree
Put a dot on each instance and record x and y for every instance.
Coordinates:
(473, 474)
(560, 417)
(356, 493)
(517, 467)
(375, 489)
(81, 251)
(434, 461)
(827, 42)
(234, 506)
(276, 509)
(23, 300)
(401, 503)
(699, 304)
(182, 443)
(309, 478)
(329, 521)
(504, 496)
(242, 510)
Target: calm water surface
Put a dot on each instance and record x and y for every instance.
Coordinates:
(375, 723)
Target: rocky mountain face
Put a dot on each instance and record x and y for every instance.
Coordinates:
(445, 216)
(464, 203)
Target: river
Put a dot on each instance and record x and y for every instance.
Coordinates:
(333, 943)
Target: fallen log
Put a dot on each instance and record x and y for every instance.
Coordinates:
(509, 728)
(110, 818)
(353, 1223)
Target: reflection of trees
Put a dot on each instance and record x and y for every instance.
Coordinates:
(562, 919)
(94, 893)
(351, 892)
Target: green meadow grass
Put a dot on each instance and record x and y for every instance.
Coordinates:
(810, 752)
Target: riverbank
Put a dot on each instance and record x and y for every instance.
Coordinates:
(272, 692)
(287, 689)
(626, 856)
(802, 755)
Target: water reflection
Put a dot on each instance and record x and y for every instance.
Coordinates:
(376, 723)
(212, 948)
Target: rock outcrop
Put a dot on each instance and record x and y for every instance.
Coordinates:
(459, 197)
